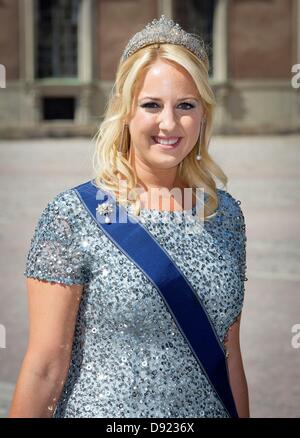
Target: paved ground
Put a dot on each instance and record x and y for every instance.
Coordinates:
(264, 174)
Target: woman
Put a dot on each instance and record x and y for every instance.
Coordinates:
(141, 317)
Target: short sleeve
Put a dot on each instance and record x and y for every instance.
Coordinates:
(235, 228)
(241, 241)
(55, 254)
(230, 233)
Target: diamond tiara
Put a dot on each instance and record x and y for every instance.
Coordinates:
(164, 30)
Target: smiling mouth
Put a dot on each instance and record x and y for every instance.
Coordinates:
(170, 142)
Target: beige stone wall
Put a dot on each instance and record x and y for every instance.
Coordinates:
(9, 38)
(261, 34)
(117, 21)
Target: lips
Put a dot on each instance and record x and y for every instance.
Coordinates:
(169, 142)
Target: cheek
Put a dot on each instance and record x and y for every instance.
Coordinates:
(142, 123)
(192, 128)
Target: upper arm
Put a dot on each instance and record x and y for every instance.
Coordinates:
(232, 340)
(235, 225)
(53, 310)
(56, 252)
(233, 221)
(56, 270)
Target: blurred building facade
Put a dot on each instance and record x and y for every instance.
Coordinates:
(60, 58)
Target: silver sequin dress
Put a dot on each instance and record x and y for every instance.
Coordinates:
(129, 359)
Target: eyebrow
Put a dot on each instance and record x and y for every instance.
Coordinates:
(157, 98)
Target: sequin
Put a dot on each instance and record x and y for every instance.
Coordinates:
(129, 358)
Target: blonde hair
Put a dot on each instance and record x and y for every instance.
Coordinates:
(110, 165)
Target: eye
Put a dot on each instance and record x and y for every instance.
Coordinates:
(186, 105)
(151, 105)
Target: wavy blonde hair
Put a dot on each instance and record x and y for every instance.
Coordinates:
(110, 159)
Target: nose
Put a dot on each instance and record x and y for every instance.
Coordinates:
(167, 119)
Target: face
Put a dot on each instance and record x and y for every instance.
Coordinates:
(166, 120)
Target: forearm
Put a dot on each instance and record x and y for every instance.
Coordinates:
(37, 390)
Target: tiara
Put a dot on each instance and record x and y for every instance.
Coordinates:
(164, 30)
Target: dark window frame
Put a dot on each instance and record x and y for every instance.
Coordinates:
(56, 38)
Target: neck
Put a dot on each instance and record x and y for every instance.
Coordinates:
(150, 179)
(165, 179)
(154, 178)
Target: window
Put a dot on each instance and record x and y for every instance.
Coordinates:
(58, 108)
(196, 16)
(57, 38)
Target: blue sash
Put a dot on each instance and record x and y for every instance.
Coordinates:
(134, 240)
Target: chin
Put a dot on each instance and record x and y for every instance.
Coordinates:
(163, 164)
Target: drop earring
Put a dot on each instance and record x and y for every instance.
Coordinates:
(124, 138)
(202, 129)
